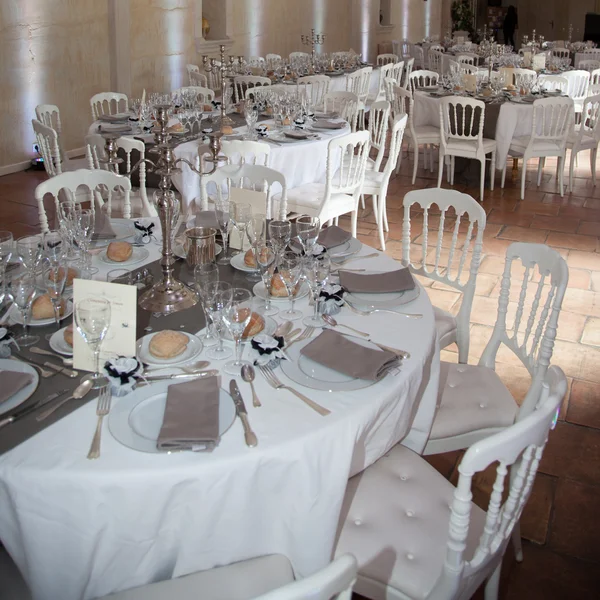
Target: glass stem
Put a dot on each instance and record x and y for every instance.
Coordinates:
(238, 349)
(316, 300)
(25, 322)
(293, 302)
(97, 359)
(267, 281)
(56, 307)
(224, 236)
(218, 329)
(2, 282)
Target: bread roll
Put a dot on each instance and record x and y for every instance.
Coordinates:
(71, 274)
(207, 108)
(68, 335)
(254, 327)
(168, 344)
(119, 251)
(249, 259)
(42, 308)
(226, 129)
(278, 289)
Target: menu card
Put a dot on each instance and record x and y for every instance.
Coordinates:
(120, 338)
(539, 62)
(469, 82)
(258, 201)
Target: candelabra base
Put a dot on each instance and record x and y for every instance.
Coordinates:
(226, 121)
(168, 298)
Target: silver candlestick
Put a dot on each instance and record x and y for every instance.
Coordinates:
(312, 41)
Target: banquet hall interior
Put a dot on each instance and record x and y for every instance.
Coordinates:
(450, 144)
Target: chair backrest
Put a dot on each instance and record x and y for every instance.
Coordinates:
(95, 151)
(561, 52)
(298, 55)
(466, 58)
(314, 88)
(435, 60)
(462, 119)
(552, 122)
(536, 277)
(422, 78)
(196, 79)
(358, 83)
(419, 57)
(378, 127)
(248, 176)
(592, 52)
(553, 82)
(246, 152)
(344, 103)
(49, 115)
(213, 77)
(517, 450)
(47, 141)
(437, 47)
(108, 103)
(334, 582)
(395, 147)
(588, 65)
(389, 71)
(272, 57)
(457, 256)
(384, 59)
(242, 83)
(578, 83)
(468, 68)
(401, 100)
(590, 119)
(204, 95)
(256, 61)
(406, 49)
(594, 77)
(408, 68)
(87, 179)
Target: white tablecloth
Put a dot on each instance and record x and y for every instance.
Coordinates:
(78, 529)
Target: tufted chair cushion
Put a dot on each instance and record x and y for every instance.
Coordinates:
(472, 398)
(395, 519)
(445, 325)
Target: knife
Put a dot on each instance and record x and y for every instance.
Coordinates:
(240, 407)
(29, 409)
(68, 372)
(153, 378)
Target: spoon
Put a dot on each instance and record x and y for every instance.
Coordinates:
(80, 391)
(197, 366)
(283, 329)
(66, 361)
(248, 375)
(331, 321)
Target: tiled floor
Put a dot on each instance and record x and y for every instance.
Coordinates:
(561, 524)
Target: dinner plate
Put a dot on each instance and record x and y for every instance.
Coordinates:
(280, 138)
(387, 300)
(137, 256)
(135, 420)
(237, 262)
(16, 316)
(193, 349)
(181, 253)
(268, 329)
(6, 364)
(309, 373)
(259, 290)
(343, 251)
(58, 344)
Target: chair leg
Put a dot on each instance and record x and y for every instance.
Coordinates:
(516, 541)
(452, 168)
(378, 206)
(541, 162)
(561, 174)
(523, 173)
(416, 162)
(481, 179)
(362, 202)
(492, 170)
(503, 175)
(431, 162)
(593, 156)
(354, 222)
(441, 170)
(493, 583)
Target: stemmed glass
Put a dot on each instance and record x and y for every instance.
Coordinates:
(251, 116)
(222, 208)
(83, 233)
(92, 319)
(290, 270)
(317, 270)
(23, 290)
(237, 316)
(280, 233)
(265, 259)
(54, 245)
(69, 212)
(29, 249)
(242, 213)
(308, 231)
(218, 298)
(6, 250)
(55, 277)
(257, 232)
(203, 276)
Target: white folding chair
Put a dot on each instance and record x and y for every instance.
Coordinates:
(422, 78)
(419, 57)
(49, 115)
(408, 69)
(519, 73)
(469, 59)
(579, 82)
(552, 123)
(450, 257)
(468, 68)
(436, 58)
(314, 88)
(108, 103)
(406, 49)
(561, 52)
(345, 104)
(298, 55)
(196, 79)
(240, 152)
(461, 134)
(588, 65)
(553, 82)
(416, 536)
(384, 59)
(243, 83)
(272, 58)
(358, 83)
(379, 116)
(385, 73)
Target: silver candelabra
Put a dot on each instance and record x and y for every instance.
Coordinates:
(312, 41)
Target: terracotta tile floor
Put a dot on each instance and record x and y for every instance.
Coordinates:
(560, 525)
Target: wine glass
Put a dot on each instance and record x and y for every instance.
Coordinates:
(241, 214)
(317, 270)
(236, 316)
(265, 260)
(6, 250)
(54, 274)
(23, 290)
(69, 211)
(280, 233)
(257, 232)
(29, 249)
(92, 319)
(290, 271)
(308, 232)
(203, 276)
(54, 245)
(222, 208)
(251, 116)
(218, 297)
(83, 232)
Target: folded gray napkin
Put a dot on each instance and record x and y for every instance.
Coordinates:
(12, 382)
(115, 127)
(207, 218)
(333, 236)
(191, 420)
(337, 352)
(326, 115)
(102, 228)
(296, 135)
(392, 281)
(118, 118)
(329, 124)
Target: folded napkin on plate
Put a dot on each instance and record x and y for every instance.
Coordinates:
(102, 228)
(333, 236)
(12, 382)
(296, 135)
(207, 218)
(329, 124)
(118, 118)
(191, 420)
(115, 127)
(328, 115)
(337, 352)
(377, 283)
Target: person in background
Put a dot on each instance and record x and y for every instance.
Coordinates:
(511, 22)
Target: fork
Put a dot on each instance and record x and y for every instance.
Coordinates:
(101, 411)
(347, 260)
(275, 383)
(365, 313)
(304, 335)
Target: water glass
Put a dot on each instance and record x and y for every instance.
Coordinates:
(317, 271)
(257, 232)
(69, 212)
(23, 290)
(54, 245)
(280, 233)
(83, 233)
(218, 298)
(92, 319)
(265, 259)
(222, 212)
(308, 231)
(237, 316)
(6, 251)
(204, 275)
(251, 116)
(54, 274)
(241, 214)
(290, 271)
(29, 249)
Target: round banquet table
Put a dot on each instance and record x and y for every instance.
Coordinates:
(79, 529)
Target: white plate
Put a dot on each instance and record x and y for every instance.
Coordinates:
(16, 316)
(388, 300)
(259, 290)
(181, 253)
(268, 329)
(15, 400)
(138, 255)
(306, 372)
(193, 349)
(122, 232)
(281, 138)
(343, 251)
(237, 262)
(58, 344)
(136, 419)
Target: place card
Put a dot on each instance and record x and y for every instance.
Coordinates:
(508, 74)
(120, 339)
(539, 62)
(258, 202)
(469, 82)
(526, 59)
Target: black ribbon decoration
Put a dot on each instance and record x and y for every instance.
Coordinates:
(147, 231)
(256, 346)
(337, 296)
(124, 377)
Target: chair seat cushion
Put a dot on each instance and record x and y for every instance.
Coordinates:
(455, 145)
(520, 143)
(311, 195)
(445, 325)
(472, 398)
(373, 182)
(395, 519)
(587, 141)
(425, 133)
(238, 581)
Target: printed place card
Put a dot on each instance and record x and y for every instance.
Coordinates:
(120, 339)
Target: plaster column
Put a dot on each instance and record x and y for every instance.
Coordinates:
(119, 46)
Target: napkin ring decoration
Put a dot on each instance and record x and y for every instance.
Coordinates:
(6, 339)
(331, 298)
(145, 233)
(266, 348)
(122, 373)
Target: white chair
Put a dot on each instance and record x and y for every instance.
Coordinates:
(552, 123)
(264, 578)
(377, 181)
(49, 115)
(416, 536)
(469, 59)
(239, 152)
(595, 77)
(243, 83)
(255, 61)
(436, 58)
(456, 266)
(461, 126)
(464, 67)
(518, 73)
(272, 58)
(408, 69)
(553, 82)
(422, 78)
(196, 79)
(419, 57)
(314, 88)
(586, 137)
(247, 176)
(214, 78)
(473, 401)
(345, 174)
(108, 103)
(406, 49)
(384, 59)
(379, 116)
(358, 83)
(561, 52)
(592, 53)
(299, 56)
(579, 82)
(588, 65)
(91, 180)
(385, 73)
(345, 104)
